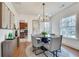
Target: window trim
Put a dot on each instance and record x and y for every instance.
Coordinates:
(61, 27)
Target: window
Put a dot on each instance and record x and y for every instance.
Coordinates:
(45, 26)
(68, 27)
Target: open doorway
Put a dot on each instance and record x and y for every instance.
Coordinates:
(23, 29)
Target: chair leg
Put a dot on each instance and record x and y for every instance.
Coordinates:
(59, 50)
(45, 54)
(34, 49)
(35, 53)
(53, 53)
(39, 53)
(56, 53)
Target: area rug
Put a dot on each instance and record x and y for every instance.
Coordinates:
(63, 53)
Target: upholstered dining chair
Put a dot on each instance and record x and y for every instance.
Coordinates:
(54, 46)
(36, 44)
(52, 34)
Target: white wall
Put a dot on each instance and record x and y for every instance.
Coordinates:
(74, 9)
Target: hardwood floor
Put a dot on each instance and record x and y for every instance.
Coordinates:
(21, 50)
(71, 50)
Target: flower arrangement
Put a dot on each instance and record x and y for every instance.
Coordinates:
(10, 36)
(44, 33)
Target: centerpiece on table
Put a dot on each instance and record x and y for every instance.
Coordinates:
(44, 34)
(44, 38)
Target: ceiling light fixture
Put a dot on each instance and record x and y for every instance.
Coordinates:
(44, 17)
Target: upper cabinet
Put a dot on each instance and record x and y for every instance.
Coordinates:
(12, 21)
(7, 18)
(0, 15)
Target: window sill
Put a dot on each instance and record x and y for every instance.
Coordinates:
(70, 38)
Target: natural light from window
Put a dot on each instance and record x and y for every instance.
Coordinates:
(68, 27)
(45, 26)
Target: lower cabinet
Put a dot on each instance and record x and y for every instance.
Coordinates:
(8, 47)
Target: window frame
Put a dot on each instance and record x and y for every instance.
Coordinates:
(68, 36)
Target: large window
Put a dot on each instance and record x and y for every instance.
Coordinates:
(45, 26)
(68, 27)
(48, 27)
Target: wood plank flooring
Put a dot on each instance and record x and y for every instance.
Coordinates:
(21, 50)
(71, 50)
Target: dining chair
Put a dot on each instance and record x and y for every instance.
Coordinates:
(54, 46)
(60, 44)
(52, 34)
(36, 44)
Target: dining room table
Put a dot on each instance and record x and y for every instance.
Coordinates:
(39, 40)
(49, 36)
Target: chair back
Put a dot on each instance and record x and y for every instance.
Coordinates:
(35, 41)
(55, 43)
(52, 34)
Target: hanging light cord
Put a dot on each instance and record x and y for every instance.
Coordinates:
(43, 11)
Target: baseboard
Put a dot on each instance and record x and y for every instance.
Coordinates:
(70, 47)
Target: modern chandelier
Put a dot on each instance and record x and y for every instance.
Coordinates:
(44, 17)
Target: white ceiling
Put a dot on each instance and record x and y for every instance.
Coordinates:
(35, 8)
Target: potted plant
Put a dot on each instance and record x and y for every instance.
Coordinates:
(44, 34)
(44, 39)
(10, 36)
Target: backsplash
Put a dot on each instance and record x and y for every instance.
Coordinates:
(4, 33)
